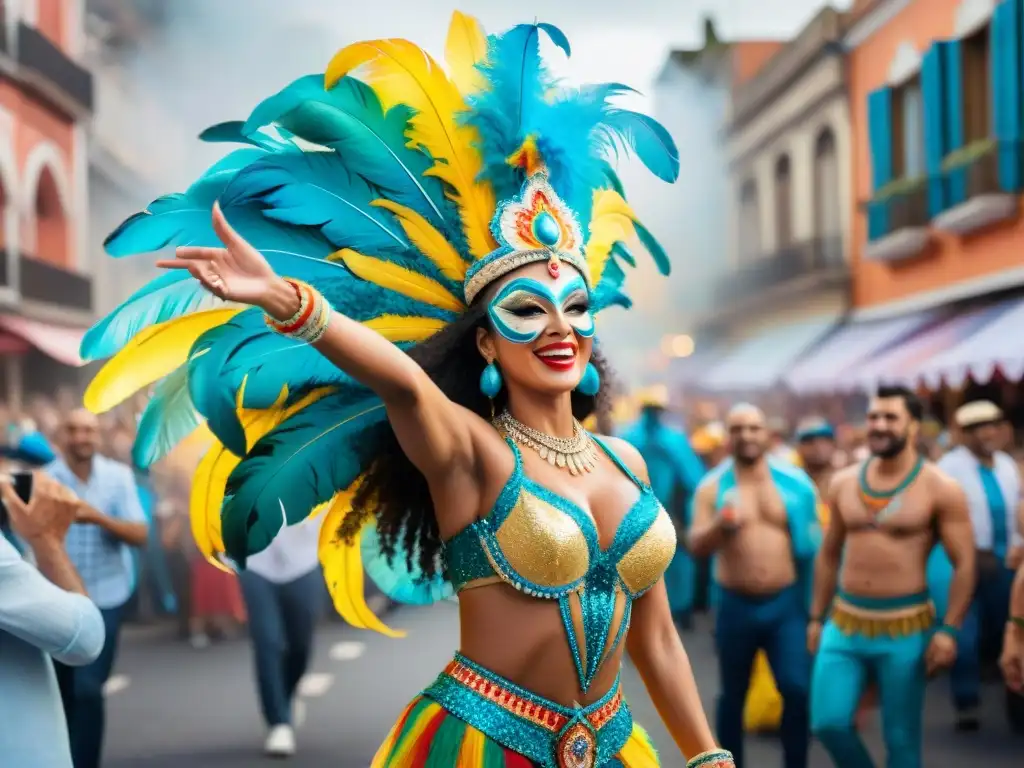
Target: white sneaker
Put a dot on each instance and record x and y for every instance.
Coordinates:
(280, 741)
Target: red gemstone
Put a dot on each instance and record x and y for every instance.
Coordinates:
(553, 269)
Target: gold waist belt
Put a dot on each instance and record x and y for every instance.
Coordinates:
(897, 622)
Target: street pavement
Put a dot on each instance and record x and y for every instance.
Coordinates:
(170, 706)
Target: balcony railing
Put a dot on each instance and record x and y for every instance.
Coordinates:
(45, 282)
(821, 256)
(903, 209)
(53, 70)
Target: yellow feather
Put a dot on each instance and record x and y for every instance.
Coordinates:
(398, 328)
(428, 240)
(402, 73)
(611, 222)
(150, 356)
(343, 568)
(400, 280)
(211, 476)
(465, 47)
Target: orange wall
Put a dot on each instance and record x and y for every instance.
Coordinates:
(952, 259)
(51, 20)
(748, 57)
(35, 122)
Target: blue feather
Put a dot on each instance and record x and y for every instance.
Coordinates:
(399, 575)
(317, 189)
(168, 419)
(649, 139)
(349, 118)
(622, 252)
(181, 218)
(294, 468)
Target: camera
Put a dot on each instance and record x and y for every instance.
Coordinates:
(22, 483)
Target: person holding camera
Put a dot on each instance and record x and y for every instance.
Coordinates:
(44, 614)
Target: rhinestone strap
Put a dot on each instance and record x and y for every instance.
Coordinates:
(577, 453)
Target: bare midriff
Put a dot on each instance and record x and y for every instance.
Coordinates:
(522, 639)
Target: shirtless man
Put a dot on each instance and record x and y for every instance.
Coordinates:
(758, 516)
(887, 514)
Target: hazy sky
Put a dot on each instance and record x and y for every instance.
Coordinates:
(217, 58)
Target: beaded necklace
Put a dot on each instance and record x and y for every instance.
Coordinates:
(885, 504)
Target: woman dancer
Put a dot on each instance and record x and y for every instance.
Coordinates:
(421, 370)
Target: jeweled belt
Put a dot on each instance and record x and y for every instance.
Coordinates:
(543, 731)
(883, 617)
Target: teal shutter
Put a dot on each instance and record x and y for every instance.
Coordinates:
(1006, 97)
(934, 129)
(957, 189)
(880, 140)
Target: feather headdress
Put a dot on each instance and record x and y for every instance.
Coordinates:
(399, 190)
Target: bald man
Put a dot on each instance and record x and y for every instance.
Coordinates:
(109, 520)
(757, 516)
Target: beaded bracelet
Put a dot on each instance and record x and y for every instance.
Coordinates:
(310, 322)
(714, 758)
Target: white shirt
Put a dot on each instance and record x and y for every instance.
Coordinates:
(963, 466)
(292, 554)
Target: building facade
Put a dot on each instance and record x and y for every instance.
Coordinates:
(787, 140)
(936, 95)
(46, 99)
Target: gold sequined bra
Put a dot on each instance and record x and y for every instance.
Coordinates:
(546, 546)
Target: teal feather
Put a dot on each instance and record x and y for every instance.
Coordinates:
(167, 296)
(654, 248)
(621, 251)
(398, 575)
(294, 468)
(317, 189)
(168, 419)
(349, 118)
(233, 132)
(649, 139)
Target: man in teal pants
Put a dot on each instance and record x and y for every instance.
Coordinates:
(887, 515)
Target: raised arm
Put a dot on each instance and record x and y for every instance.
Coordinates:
(707, 531)
(434, 433)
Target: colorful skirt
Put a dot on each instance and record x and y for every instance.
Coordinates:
(472, 718)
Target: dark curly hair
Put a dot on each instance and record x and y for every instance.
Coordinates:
(393, 490)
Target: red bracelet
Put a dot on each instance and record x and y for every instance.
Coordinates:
(306, 300)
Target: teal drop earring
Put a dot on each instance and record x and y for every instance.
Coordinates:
(490, 381)
(590, 384)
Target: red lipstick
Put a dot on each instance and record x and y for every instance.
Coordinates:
(560, 356)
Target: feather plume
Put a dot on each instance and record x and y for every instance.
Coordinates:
(297, 466)
(317, 189)
(168, 419)
(428, 240)
(343, 569)
(402, 73)
(396, 328)
(150, 356)
(464, 51)
(402, 281)
(398, 574)
(610, 223)
(349, 119)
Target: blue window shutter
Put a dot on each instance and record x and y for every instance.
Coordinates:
(1006, 96)
(880, 140)
(957, 189)
(934, 139)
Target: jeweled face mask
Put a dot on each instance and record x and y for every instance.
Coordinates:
(521, 310)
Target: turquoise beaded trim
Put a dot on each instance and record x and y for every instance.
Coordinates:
(608, 721)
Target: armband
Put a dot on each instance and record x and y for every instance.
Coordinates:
(715, 758)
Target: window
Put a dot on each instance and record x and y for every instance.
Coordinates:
(783, 204)
(827, 224)
(750, 223)
(977, 86)
(51, 222)
(908, 130)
